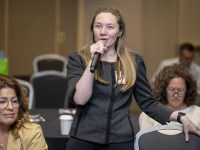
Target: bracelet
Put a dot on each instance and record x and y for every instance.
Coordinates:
(180, 114)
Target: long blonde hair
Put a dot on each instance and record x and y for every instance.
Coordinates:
(125, 62)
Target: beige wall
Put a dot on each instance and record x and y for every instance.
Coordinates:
(189, 23)
(132, 13)
(31, 32)
(68, 25)
(154, 28)
(151, 26)
(36, 27)
(1, 25)
(160, 31)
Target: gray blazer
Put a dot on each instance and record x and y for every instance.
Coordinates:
(105, 117)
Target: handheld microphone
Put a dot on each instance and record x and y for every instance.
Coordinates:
(95, 61)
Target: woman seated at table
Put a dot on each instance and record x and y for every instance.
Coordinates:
(175, 87)
(16, 132)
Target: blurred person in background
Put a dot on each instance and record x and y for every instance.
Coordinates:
(174, 87)
(16, 132)
(186, 57)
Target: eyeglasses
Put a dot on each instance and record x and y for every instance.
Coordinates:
(5, 101)
(173, 91)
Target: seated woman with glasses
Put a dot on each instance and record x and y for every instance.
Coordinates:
(174, 87)
(16, 132)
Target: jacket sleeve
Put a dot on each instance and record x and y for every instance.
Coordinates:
(143, 95)
(31, 138)
(75, 69)
(37, 141)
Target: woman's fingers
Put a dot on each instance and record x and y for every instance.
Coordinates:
(98, 47)
(186, 129)
(189, 126)
(196, 130)
(186, 136)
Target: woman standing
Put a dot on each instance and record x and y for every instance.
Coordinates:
(103, 98)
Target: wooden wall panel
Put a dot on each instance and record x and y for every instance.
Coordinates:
(31, 33)
(2, 24)
(154, 28)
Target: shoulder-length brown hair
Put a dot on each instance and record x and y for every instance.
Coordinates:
(125, 62)
(162, 80)
(8, 81)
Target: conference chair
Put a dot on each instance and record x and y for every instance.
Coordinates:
(28, 89)
(49, 62)
(49, 89)
(153, 139)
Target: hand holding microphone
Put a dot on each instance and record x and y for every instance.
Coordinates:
(98, 49)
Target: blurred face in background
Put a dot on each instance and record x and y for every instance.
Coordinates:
(186, 57)
(175, 93)
(9, 106)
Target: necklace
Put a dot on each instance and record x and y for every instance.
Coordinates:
(3, 142)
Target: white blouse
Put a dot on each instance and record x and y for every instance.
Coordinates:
(192, 112)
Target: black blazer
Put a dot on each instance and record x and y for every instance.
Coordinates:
(105, 117)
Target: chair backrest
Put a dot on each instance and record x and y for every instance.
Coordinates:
(49, 62)
(152, 139)
(28, 89)
(49, 89)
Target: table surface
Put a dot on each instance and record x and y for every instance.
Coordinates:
(51, 127)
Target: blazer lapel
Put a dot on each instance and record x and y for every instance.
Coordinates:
(14, 144)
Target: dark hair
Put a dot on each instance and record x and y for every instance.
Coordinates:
(187, 46)
(162, 80)
(8, 81)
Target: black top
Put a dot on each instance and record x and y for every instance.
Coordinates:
(105, 117)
